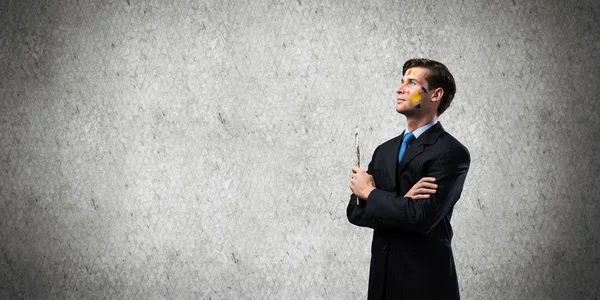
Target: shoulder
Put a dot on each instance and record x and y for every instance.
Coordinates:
(452, 145)
(389, 144)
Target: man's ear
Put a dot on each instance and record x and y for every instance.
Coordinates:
(437, 94)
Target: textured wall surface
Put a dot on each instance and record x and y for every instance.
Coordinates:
(202, 150)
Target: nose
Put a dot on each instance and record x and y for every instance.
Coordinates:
(399, 90)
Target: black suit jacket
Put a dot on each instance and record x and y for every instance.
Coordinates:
(411, 250)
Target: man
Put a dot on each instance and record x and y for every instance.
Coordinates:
(409, 191)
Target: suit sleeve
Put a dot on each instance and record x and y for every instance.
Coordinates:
(356, 212)
(388, 209)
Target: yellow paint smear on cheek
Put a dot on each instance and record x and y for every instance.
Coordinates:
(416, 97)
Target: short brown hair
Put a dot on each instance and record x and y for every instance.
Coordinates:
(438, 77)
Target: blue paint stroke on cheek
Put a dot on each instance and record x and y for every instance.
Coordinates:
(418, 106)
(424, 90)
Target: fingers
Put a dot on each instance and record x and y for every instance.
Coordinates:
(426, 182)
(356, 169)
(427, 179)
(426, 191)
(426, 185)
(422, 191)
(417, 196)
(421, 194)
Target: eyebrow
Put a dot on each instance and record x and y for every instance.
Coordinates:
(409, 79)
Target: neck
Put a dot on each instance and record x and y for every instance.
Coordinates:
(415, 123)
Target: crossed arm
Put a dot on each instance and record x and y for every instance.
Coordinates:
(379, 208)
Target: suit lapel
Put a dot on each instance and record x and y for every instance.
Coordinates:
(391, 157)
(427, 138)
(417, 147)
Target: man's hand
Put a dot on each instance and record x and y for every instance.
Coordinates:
(362, 183)
(422, 189)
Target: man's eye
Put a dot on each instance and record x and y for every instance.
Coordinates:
(412, 83)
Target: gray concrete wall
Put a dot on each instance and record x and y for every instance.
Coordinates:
(202, 150)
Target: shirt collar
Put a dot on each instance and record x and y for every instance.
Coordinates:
(421, 129)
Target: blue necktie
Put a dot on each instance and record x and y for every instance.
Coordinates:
(408, 138)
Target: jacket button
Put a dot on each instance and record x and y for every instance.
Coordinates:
(384, 248)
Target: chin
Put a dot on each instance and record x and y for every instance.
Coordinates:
(401, 110)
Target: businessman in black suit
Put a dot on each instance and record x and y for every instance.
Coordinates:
(409, 190)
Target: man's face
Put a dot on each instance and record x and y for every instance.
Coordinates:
(413, 95)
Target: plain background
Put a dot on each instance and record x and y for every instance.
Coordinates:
(202, 149)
